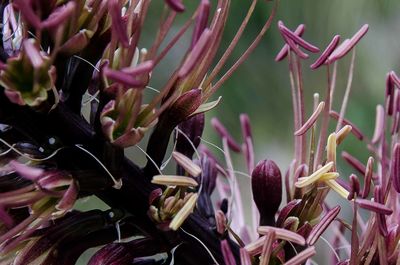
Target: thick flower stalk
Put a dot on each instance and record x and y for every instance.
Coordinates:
(74, 94)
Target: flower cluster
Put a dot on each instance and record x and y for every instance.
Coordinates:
(57, 57)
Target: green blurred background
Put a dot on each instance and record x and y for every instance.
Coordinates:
(261, 86)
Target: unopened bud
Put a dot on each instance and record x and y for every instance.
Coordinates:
(266, 184)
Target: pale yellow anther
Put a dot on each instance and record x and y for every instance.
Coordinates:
(303, 182)
(183, 213)
(187, 164)
(338, 188)
(342, 134)
(329, 176)
(331, 148)
(171, 180)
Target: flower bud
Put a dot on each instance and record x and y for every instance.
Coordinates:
(266, 183)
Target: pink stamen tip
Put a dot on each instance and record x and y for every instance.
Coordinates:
(176, 5)
(285, 49)
(298, 40)
(328, 51)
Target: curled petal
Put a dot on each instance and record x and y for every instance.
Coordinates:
(311, 121)
(322, 225)
(223, 133)
(374, 206)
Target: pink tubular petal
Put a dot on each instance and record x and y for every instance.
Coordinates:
(201, 21)
(27, 172)
(122, 78)
(395, 79)
(176, 5)
(142, 68)
(379, 124)
(196, 53)
(374, 206)
(67, 201)
(298, 40)
(227, 253)
(285, 49)
(301, 257)
(267, 248)
(223, 133)
(294, 48)
(28, 13)
(33, 53)
(322, 225)
(311, 121)
(389, 94)
(355, 130)
(118, 25)
(244, 257)
(60, 15)
(328, 51)
(368, 177)
(378, 196)
(354, 187)
(395, 167)
(346, 47)
(283, 234)
(14, 96)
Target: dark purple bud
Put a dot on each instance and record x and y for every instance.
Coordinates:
(188, 136)
(208, 180)
(185, 105)
(266, 184)
(395, 174)
(223, 133)
(175, 5)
